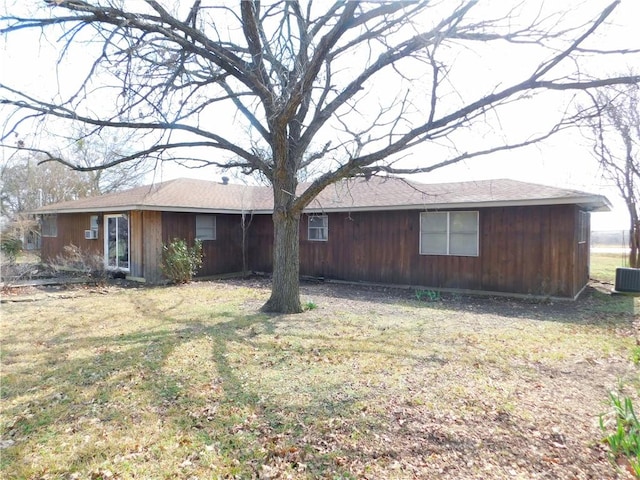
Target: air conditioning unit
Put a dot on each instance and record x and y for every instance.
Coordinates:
(627, 280)
(90, 234)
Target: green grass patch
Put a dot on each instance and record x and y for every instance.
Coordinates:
(603, 265)
(624, 440)
(635, 355)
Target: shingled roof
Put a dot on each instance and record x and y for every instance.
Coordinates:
(179, 195)
(376, 193)
(393, 193)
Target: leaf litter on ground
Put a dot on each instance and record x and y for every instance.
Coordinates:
(193, 381)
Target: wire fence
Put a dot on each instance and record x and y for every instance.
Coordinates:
(611, 240)
(612, 243)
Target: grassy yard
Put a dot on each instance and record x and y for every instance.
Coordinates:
(193, 382)
(603, 265)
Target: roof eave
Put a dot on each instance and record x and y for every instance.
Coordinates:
(156, 208)
(594, 203)
(591, 203)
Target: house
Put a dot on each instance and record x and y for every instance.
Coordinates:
(496, 236)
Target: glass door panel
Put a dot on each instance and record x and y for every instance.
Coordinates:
(117, 242)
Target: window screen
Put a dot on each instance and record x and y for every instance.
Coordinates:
(205, 227)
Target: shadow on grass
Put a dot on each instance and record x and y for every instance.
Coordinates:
(80, 395)
(210, 415)
(595, 306)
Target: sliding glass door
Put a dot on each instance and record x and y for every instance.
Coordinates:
(116, 242)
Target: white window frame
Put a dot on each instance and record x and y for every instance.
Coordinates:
(51, 220)
(107, 239)
(321, 233)
(94, 224)
(423, 248)
(204, 231)
(582, 226)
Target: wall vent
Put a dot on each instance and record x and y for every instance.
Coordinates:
(628, 280)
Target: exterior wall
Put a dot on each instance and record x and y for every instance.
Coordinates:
(583, 260)
(71, 227)
(222, 255)
(527, 250)
(260, 251)
(145, 240)
(148, 230)
(530, 250)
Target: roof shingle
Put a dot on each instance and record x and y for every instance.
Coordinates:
(376, 193)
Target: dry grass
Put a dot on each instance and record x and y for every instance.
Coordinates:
(192, 382)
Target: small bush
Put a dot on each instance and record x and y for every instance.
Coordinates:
(427, 295)
(15, 271)
(181, 262)
(11, 246)
(74, 259)
(624, 442)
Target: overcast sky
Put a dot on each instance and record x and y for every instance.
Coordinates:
(564, 160)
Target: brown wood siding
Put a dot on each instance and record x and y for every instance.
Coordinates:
(152, 245)
(71, 227)
(145, 240)
(136, 242)
(222, 255)
(261, 243)
(528, 250)
(583, 252)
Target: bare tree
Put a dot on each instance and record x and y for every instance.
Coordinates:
(30, 179)
(614, 127)
(283, 88)
(25, 185)
(88, 151)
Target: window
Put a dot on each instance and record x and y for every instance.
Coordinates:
(449, 233)
(49, 225)
(93, 222)
(205, 227)
(318, 228)
(116, 241)
(583, 226)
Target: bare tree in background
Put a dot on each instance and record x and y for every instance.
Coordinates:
(25, 185)
(29, 179)
(331, 90)
(614, 126)
(90, 150)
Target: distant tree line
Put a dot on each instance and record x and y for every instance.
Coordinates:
(610, 238)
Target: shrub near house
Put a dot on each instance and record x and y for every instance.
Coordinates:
(181, 262)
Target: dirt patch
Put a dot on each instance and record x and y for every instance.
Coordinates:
(62, 285)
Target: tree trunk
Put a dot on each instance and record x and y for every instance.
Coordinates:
(285, 283)
(285, 288)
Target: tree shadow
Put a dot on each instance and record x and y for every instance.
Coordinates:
(595, 306)
(219, 407)
(236, 417)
